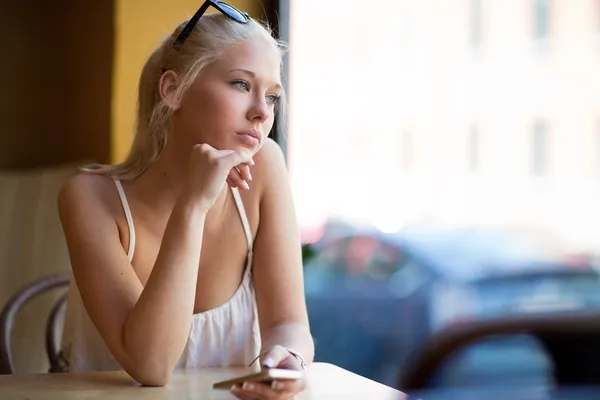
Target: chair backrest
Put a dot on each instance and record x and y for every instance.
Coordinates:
(32, 245)
(568, 338)
(12, 307)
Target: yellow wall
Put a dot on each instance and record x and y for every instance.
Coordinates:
(140, 25)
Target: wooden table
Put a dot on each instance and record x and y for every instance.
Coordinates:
(325, 381)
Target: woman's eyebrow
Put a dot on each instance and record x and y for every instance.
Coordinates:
(253, 75)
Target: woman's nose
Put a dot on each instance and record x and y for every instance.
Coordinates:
(260, 110)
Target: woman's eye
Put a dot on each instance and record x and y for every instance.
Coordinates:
(273, 99)
(242, 85)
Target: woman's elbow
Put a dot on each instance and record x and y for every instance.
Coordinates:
(151, 378)
(150, 373)
(154, 381)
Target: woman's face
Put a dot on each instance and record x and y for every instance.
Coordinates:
(232, 102)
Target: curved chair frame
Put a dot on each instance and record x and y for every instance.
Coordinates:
(569, 337)
(14, 305)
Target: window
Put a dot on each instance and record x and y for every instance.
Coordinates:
(597, 15)
(541, 15)
(540, 149)
(476, 14)
(407, 150)
(597, 150)
(473, 149)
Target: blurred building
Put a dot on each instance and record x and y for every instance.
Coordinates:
(453, 112)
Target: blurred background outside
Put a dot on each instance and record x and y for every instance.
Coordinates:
(444, 157)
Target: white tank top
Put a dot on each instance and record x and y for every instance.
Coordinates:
(227, 335)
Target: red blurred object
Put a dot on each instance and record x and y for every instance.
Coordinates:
(578, 260)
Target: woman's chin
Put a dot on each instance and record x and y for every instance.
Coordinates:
(236, 145)
(245, 148)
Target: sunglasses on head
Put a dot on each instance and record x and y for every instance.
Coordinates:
(226, 9)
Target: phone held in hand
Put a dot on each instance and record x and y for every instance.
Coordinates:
(265, 375)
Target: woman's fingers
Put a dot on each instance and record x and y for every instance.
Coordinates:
(236, 177)
(244, 170)
(289, 386)
(230, 182)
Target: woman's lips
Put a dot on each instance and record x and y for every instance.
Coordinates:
(249, 138)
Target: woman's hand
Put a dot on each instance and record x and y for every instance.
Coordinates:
(210, 168)
(276, 357)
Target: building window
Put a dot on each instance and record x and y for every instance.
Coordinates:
(540, 149)
(541, 16)
(476, 14)
(473, 149)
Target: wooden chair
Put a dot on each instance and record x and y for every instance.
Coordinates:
(572, 340)
(14, 305)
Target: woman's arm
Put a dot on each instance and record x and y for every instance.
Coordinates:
(146, 328)
(277, 266)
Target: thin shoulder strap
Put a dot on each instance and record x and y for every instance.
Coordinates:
(242, 211)
(129, 218)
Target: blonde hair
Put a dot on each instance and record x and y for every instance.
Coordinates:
(210, 36)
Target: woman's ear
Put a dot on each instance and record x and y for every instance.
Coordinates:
(166, 87)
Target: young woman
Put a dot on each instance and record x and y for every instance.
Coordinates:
(187, 254)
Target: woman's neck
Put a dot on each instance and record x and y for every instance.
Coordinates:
(160, 185)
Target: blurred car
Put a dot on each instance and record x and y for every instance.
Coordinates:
(375, 298)
(359, 314)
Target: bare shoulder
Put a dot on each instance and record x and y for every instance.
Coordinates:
(270, 168)
(84, 183)
(85, 187)
(270, 153)
(86, 194)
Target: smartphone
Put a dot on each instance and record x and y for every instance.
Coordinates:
(265, 375)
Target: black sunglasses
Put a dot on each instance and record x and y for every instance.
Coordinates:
(226, 9)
